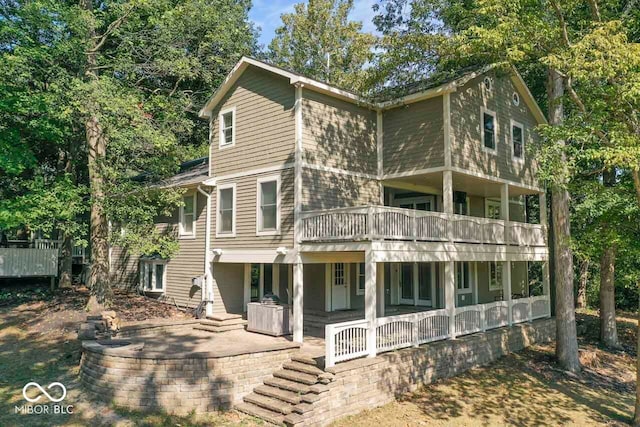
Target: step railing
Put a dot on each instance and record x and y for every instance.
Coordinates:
(391, 223)
(349, 340)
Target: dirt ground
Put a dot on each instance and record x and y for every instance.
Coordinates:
(37, 343)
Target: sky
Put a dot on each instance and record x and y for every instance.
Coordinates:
(266, 14)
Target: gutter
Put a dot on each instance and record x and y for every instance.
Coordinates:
(207, 288)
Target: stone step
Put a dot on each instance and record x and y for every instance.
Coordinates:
(218, 328)
(278, 393)
(274, 405)
(237, 321)
(298, 377)
(285, 384)
(262, 413)
(303, 367)
(303, 358)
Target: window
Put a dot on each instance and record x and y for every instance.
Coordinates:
(268, 206)
(226, 222)
(361, 279)
(517, 141)
(152, 275)
(487, 83)
(493, 209)
(462, 278)
(495, 276)
(488, 130)
(227, 123)
(515, 98)
(461, 205)
(188, 216)
(339, 275)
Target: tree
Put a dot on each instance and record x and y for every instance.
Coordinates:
(424, 37)
(319, 41)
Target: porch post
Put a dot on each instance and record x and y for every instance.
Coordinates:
(506, 286)
(504, 211)
(447, 199)
(370, 285)
(380, 288)
(298, 300)
(450, 295)
(247, 285)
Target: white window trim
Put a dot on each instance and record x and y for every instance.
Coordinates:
(468, 290)
(259, 182)
(181, 232)
(513, 124)
(224, 234)
(152, 263)
(484, 111)
(221, 144)
(358, 275)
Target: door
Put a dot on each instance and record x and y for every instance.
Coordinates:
(339, 286)
(464, 291)
(426, 284)
(420, 203)
(405, 281)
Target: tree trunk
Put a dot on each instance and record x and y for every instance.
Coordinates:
(566, 335)
(66, 261)
(636, 414)
(581, 301)
(608, 331)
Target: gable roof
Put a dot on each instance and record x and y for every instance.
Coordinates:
(191, 172)
(428, 88)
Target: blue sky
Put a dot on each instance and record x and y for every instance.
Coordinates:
(266, 14)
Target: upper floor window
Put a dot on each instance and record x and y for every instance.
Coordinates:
(226, 221)
(268, 206)
(188, 216)
(488, 132)
(517, 141)
(227, 123)
(493, 209)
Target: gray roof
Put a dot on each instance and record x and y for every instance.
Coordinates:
(191, 172)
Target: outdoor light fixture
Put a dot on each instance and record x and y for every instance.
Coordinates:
(282, 250)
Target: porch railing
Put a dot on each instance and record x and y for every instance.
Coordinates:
(349, 340)
(28, 262)
(77, 251)
(390, 223)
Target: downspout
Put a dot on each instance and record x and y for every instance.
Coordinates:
(207, 288)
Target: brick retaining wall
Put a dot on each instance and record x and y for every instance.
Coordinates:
(366, 383)
(175, 383)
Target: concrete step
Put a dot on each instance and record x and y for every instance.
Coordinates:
(298, 377)
(262, 413)
(303, 358)
(303, 367)
(278, 393)
(285, 384)
(236, 321)
(274, 405)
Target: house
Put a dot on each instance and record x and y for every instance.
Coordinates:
(418, 214)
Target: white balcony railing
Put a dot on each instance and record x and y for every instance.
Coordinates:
(349, 340)
(389, 223)
(77, 251)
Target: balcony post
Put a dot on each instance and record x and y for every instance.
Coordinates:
(506, 288)
(504, 211)
(298, 300)
(380, 288)
(450, 295)
(370, 285)
(447, 201)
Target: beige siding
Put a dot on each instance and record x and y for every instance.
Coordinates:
(265, 126)
(338, 134)
(326, 190)
(228, 288)
(466, 149)
(124, 268)
(413, 136)
(246, 201)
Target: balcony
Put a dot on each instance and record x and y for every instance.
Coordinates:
(374, 223)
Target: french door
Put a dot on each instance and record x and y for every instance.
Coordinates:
(417, 283)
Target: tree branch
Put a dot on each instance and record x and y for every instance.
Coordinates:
(110, 29)
(563, 23)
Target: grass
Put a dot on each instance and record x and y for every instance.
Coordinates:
(37, 343)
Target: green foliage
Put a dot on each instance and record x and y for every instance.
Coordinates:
(319, 41)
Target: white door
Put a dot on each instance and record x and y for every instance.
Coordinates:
(339, 286)
(420, 203)
(426, 284)
(406, 283)
(417, 283)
